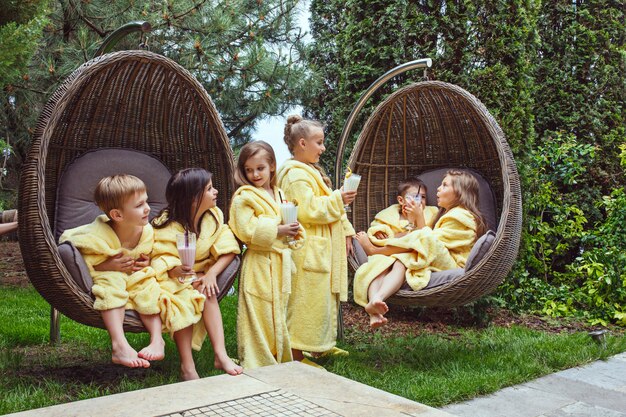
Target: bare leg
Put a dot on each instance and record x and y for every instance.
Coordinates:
(393, 281)
(183, 343)
(385, 285)
(376, 308)
(155, 351)
(212, 318)
(122, 352)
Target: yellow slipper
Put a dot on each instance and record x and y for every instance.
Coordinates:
(311, 363)
(335, 352)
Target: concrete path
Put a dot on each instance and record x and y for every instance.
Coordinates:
(594, 390)
(290, 389)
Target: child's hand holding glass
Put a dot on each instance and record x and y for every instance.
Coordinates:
(289, 216)
(350, 184)
(414, 210)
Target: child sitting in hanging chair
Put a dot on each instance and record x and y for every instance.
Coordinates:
(414, 256)
(396, 221)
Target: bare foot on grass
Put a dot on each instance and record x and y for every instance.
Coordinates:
(227, 365)
(188, 374)
(127, 356)
(155, 351)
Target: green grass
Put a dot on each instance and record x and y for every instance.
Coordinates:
(455, 365)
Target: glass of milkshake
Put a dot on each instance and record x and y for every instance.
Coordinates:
(186, 244)
(351, 183)
(289, 214)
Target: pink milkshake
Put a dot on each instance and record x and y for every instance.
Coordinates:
(186, 244)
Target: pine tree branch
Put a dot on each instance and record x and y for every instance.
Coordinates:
(87, 21)
(190, 10)
(243, 123)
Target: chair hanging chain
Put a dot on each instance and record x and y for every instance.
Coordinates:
(425, 76)
(143, 43)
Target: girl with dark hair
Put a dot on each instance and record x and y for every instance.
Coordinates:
(192, 207)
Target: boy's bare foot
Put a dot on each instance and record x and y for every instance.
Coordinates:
(127, 356)
(188, 374)
(227, 365)
(377, 320)
(155, 351)
(364, 240)
(376, 307)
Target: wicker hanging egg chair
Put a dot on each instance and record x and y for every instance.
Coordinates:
(422, 127)
(133, 101)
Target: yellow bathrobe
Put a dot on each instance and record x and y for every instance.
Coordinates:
(265, 280)
(321, 279)
(389, 222)
(184, 304)
(446, 246)
(97, 241)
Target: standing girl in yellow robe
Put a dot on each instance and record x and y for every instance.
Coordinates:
(321, 278)
(191, 207)
(265, 279)
(412, 258)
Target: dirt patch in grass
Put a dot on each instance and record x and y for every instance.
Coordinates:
(65, 364)
(12, 272)
(404, 321)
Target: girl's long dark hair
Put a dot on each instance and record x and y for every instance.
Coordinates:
(183, 189)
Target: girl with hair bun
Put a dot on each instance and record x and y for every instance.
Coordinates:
(321, 277)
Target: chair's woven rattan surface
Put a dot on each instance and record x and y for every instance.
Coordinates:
(131, 99)
(434, 125)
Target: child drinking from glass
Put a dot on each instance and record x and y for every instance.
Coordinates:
(413, 257)
(398, 219)
(191, 207)
(116, 248)
(265, 279)
(320, 282)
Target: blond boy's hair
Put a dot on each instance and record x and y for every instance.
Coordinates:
(111, 192)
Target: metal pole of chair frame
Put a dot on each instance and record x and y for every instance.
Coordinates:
(55, 326)
(114, 37)
(107, 45)
(420, 63)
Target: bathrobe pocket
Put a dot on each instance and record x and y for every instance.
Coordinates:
(258, 278)
(318, 256)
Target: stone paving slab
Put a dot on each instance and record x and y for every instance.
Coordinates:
(594, 390)
(290, 389)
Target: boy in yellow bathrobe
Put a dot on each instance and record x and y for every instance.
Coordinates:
(393, 221)
(265, 279)
(413, 257)
(116, 248)
(321, 278)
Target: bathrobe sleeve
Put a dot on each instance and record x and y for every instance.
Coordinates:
(312, 209)
(252, 228)
(225, 242)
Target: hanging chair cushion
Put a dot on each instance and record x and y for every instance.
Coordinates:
(74, 204)
(480, 248)
(487, 200)
(76, 266)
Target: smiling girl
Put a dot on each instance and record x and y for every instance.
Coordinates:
(265, 279)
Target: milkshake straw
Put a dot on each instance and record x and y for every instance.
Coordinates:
(186, 238)
(281, 197)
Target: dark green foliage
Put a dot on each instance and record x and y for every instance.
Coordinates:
(554, 76)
